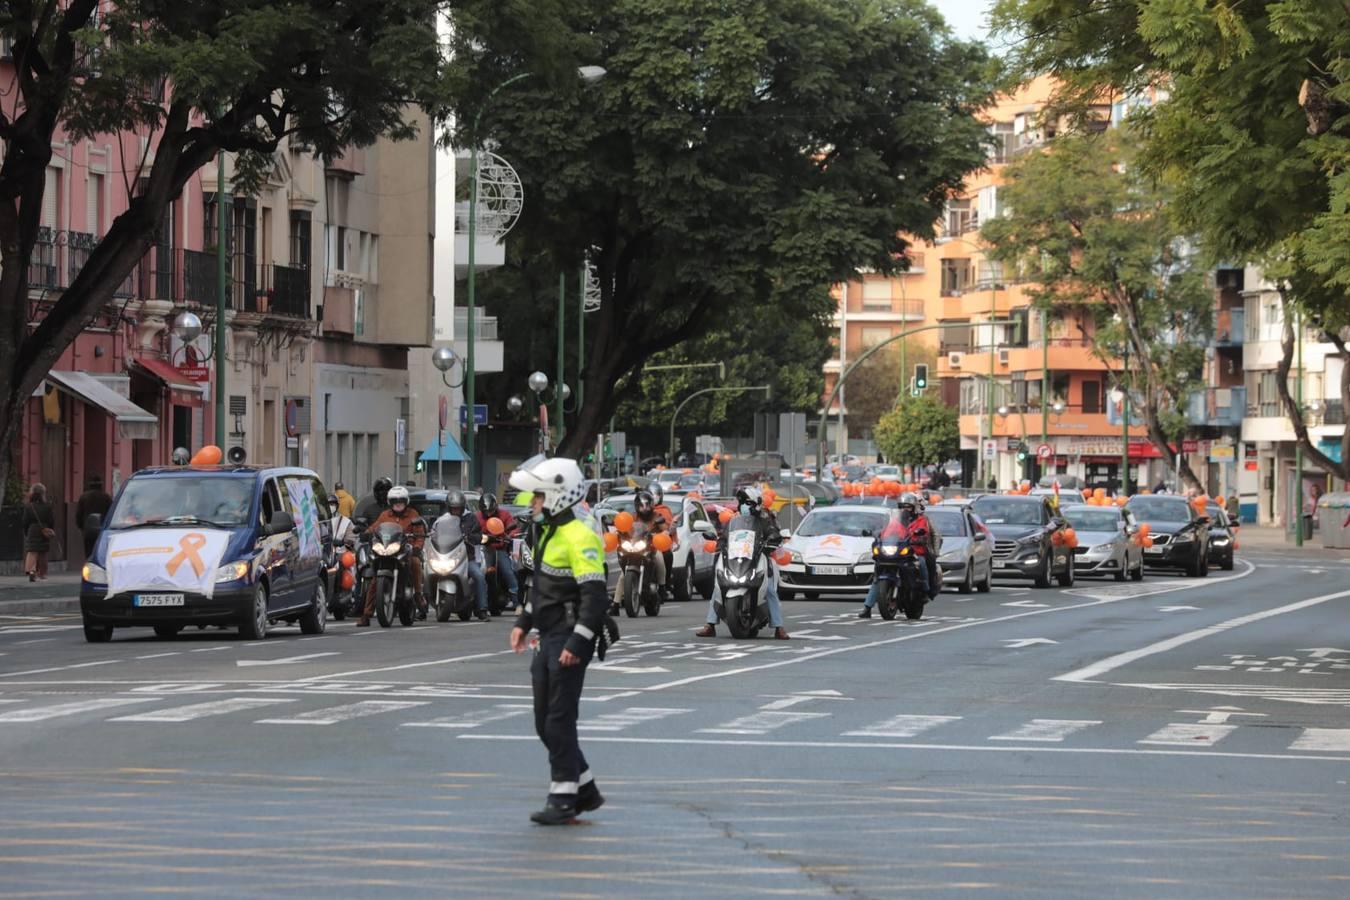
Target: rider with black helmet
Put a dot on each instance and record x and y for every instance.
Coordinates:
(374, 503)
(750, 502)
(498, 548)
(457, 506)
(645, 514)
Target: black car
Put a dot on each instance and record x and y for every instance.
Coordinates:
(1180, 534)
(1023, 529)
(1222, 537)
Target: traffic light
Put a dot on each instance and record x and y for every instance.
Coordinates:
(420, 465)
(1021, 456)
(920, 377)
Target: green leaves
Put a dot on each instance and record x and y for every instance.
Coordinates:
(919, 431)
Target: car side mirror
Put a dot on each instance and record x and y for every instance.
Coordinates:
(785, 532)
(1131, 529)
(704, 527)
(980, 537)
(281, 523)
(94, 522)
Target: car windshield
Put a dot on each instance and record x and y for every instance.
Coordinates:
(428, 509)
(1089, 519)
(224, 501)
(948, 522)
(1007, 511)
(1161, 509)
(849, 523)
(887, 470)
(1217, 514)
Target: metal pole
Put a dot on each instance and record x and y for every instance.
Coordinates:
(469, 394)
(1125, 423)
(1045, 377)
(989, 400)
(841, 441)
(581, 341)
(440, 456)
(558, 387)
(220, 297)
(1298, 446)
(711, 390)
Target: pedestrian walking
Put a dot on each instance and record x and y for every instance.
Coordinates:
(93, 502)
(39, 533)
(346, 502)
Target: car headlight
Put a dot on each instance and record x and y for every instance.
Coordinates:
(1030, 540)
(94, 573)
(387, 549)
(1220, 542)
(232, 571)
(1185, 538)
(866, 557)
(795, 558)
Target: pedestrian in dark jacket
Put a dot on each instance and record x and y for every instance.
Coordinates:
(94, 501)
(39, 530)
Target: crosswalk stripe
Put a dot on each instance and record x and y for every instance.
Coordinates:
(1189, 734)
(902, 726)
(202, 710)
(334, 714)
(475, 718)
(762, 722)
(634, 715)
(42, 713)
(1048, 730)
(1328, 739)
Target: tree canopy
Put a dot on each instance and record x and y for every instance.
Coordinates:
(879, 383)
(731, 166)
(919, 431)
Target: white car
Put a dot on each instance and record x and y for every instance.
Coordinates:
(693, 569)
(831, 552)
(886, 473)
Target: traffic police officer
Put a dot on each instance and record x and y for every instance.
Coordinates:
(568, 607)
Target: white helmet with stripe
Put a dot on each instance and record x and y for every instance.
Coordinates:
(558, 481)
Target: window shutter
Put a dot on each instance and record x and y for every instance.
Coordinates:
(49, 198)
(93, 204)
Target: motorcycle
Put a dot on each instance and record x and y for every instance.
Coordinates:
(899, 581)
(636, 548)
(344, 597)
(741, 572)
(390, 563)
(447, 570)
(524, 556)
(495, 545)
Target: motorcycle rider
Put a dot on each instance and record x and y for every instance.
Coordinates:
(750, 502)
(665, 512)
(457, 506)
(652, 522)
(402, 514)
(908, 518)
(500, 546)
(568, 608)
(374, 503)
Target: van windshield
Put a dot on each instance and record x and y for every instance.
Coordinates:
(223, 501)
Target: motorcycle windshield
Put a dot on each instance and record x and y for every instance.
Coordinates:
(388, 533)
(446, 534)
(742, 538)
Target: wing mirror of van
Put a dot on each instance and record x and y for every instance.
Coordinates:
(281, 523)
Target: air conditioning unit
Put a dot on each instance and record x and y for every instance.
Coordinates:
(954, 359)
(1003, 357)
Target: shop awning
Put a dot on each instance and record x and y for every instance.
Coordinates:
(183, 390)
(133, 423)
(450, 451)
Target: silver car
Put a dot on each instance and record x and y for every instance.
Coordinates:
(1106, 542)
(967, 555)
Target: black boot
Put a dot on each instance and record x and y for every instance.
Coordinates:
(589, 798)
(555, 813)
(866, 613)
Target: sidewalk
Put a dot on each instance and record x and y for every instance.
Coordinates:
(1274, 538)
(60, 593)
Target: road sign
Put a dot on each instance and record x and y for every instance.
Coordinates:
(479, 414)
(991, 448)
(443, 415)
(1045, 451)
(1014, 443)
(292, 418)
(400, 436)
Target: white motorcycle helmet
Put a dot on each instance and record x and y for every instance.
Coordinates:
(558, 481)
(398, 494)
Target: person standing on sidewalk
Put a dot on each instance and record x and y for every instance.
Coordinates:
(39, 530)
(93, 502)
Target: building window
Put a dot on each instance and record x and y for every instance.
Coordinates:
(301, 238)
(956, 276)
(1092, 397)
(876, 294)
(1004, 142)
(959, 218)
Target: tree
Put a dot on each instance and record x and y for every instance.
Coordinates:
(1252, 141)
(241, 76)
(919, 431)
(879, 383)
(1090, 231)
(736, 160)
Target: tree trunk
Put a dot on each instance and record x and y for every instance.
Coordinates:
(1313, 454)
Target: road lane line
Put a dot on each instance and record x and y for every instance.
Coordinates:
(158, 655)
(202, 710)
(852, 648)
(762, 722)
(1334, 740)
(101, 662)
(416, 665)
(1047, 730)
(475, 718)
(42, 713)
(1092, 672)
(1190, 734)
(902, 726)
(875, 745)
(334, 714)
(633, 715)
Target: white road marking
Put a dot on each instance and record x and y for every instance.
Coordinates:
(1176, 608)
(809, 634)
(1027, 604)
(158, 655)
(1019, 643)
(42, 713)
(762, 722)
(475, 718)
(1097, 669)
(284, 661)
(100, 662)
(202, 710)
(334, 714)
(634, 715)
(1183, 734)
(210, 649)
(627, 670)
(902, 726)
(1047, 730)
(1316, 696)
(1331, 740)
(925, 748)
(1321, 652)
(405, 666)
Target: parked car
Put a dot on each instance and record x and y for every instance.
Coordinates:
(831, 552)
(1023, 529)
(693, 565)
(967, 556)
(1223, 540)
(210, 545)
(1107, 542)
(1180, 534)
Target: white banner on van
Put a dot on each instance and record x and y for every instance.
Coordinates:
(306, 515)
(158, 558)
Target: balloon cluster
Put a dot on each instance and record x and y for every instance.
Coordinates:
(878, 488)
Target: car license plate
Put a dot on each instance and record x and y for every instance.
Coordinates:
(1000, 564)
(1153, 551)
(157, 600)
(829, 570)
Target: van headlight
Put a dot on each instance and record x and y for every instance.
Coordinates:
(232, 571)
(94, 573)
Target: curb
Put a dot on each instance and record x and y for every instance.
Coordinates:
(34, 607)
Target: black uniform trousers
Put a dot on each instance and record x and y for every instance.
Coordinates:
(557, 698)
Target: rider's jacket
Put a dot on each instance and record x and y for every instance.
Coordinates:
(569, 582)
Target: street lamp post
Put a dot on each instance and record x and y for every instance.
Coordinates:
(1298, 445)
(444, 359)
(768, 394)
(562, 320)
(220, 296)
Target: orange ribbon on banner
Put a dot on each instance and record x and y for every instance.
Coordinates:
(188, 548)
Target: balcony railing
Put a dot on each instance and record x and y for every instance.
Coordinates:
(485, 325)
(286, 289)
(1217, 407)
(1230, 327)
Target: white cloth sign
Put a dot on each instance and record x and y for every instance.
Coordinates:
(306, 515)
(183, 559)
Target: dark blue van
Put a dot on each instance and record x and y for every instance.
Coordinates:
(210, 545)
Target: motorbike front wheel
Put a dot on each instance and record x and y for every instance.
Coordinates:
(651, 600)
(886, 600)
(443, 608)
(740, 617)
(631, 580)
(384, 602)
(913, 601)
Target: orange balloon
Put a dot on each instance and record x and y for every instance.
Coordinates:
(348, 559)
(724, 516)
(770, 495)
(1087, 492)
(1223, 502)
(782, 557)
(1057, 538)
(1199, 503)
(935, 498)
(209, 455)
(1148, 541)
(1099, 492)
(624, 521)
(710, 546)
(661, 542)
(495, 527)
(611, 541)
(348, 579)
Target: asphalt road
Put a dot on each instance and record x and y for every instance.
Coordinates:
(1175, 738)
